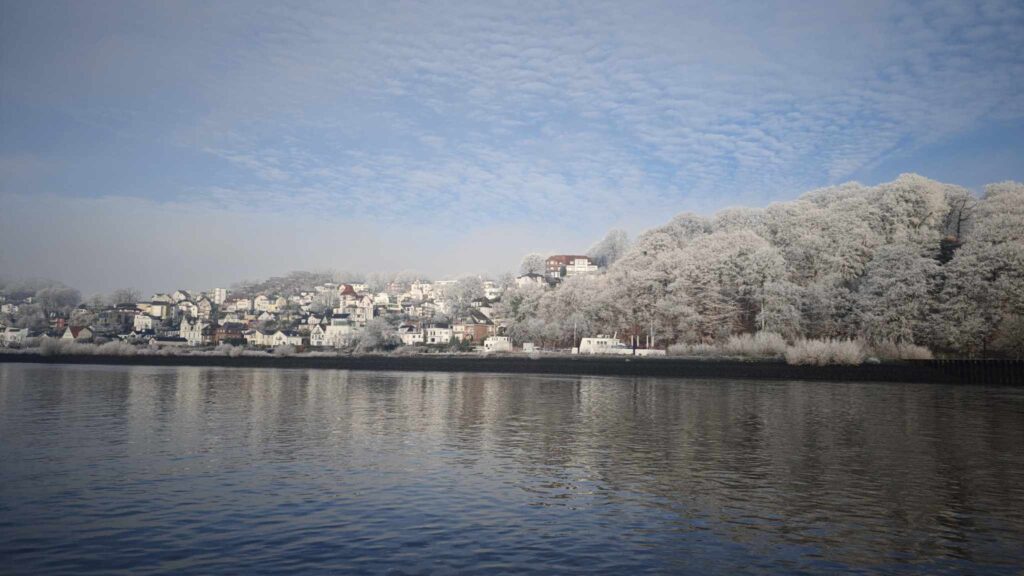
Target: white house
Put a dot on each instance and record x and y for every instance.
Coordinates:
(14, 337)
(568, 265)
(530, 279)
(498, 344)
(258, 338)
(220, 295)
(181, 296)
(188, 308)
(318, 336)
(204, 308)
(340, 331)
(421, 290)
(601, 345)
(194, 331)
(144, 322)
(364, 309)
(491, 290)
(580, 266)
(261, 303)
(283, 338)
(438, 334)
(160, 309)
(410, 335)
(240, 305)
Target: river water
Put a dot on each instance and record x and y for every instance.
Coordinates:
(214, 470)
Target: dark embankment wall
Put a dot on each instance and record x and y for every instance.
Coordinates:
(930, 371)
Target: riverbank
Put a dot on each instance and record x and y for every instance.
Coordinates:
(914, 371)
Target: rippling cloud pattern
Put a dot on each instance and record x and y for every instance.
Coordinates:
(236, 139)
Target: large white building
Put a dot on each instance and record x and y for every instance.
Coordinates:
(569, 265)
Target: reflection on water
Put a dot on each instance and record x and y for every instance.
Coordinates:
(201, 470)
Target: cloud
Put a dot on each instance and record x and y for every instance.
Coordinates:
(511, 115)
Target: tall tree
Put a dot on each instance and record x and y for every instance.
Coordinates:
(532, 264)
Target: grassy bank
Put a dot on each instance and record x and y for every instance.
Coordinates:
(917, 371)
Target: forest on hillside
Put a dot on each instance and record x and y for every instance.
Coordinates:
(911, 261)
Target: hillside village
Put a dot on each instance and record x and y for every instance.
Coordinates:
(899, 270)
(443, 315)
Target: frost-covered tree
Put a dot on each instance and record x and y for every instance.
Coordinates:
(895, 298)
(532, 264)
(33, 317)
(520, 307)
(734, 267)
(983, 289)
(780, 309)
(377, 335)
(612, 247)
(740, 218)
(912, 209)
(57, 298)
(458, 297)
(124, 296)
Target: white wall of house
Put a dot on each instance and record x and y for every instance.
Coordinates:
(192, 331)
(498, 344)
(580, 266)
(220, 295)
(437, 335)
(412, 338)
(339, 335)
(599, 345)
(281, 338)
(143, 322)
(14, 336)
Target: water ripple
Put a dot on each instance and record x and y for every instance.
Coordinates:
(148, 470)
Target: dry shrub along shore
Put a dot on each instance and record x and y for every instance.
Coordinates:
(763, 346)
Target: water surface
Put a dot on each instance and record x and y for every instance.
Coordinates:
(216, 470)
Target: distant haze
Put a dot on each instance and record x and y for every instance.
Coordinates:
(189, 144)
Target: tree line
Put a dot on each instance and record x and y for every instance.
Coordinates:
(911, 261)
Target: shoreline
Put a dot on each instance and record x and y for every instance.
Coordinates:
(990, 372)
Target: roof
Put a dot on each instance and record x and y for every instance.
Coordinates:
(76, 330)
(565, 258)
(478, 317)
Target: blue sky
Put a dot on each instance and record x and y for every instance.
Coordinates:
(166, 144)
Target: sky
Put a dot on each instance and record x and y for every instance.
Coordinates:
(160, 145)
